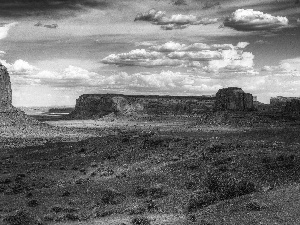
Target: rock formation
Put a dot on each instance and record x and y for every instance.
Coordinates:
(89, 106)
(98, 105)
(9, 115)
(233, 99)
(292, 106)
(5, 90)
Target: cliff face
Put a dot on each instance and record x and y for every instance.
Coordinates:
(98, 105)
(5, 90)
(292, 106)
(90, 106)
(234, 99)
(9, 115)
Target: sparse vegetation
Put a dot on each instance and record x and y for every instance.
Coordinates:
(200, 200)
(138, 171)
(110, 196)
(140, 221)
(227, 186)
(21, 218)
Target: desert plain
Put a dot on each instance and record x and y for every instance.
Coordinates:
(240, 169)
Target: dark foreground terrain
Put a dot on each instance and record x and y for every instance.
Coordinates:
(157, 171)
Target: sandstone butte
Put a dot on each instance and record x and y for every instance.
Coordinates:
(234, 99)
(9, 115)
(90, 106)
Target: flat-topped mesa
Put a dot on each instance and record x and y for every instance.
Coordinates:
(233, 99)
(5, 90)
(98, 105)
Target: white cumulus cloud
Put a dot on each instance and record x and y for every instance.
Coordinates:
(250, 20)
(166, 82)
(174, 26)
(214, 58)
(19, 67)
(5, 28)
(287, 67)
(178, 21)
(232, 61)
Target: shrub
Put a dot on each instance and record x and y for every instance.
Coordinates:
(216, 148)
(190, 185)
(49, 217)
(111, 196)
(200, 200)
(32, 203)
(229, 187)
(157, 191)
(136, 209)
(103, 213)
(66, 194)
(150, 205)
(141, 191)
(21, 218)
(57, 209)
(280, 162)
(255, 205)
(140, 221)
(72, 217)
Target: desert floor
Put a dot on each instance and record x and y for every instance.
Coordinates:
(167, 170)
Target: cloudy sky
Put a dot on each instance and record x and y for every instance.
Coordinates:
(56, 50)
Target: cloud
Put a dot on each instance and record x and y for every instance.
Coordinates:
(250, 20)
(25, 8)
(23, 73)
(178, 21)
(232, 61)
(173, 46)
(209, 5)
(214, 58)
(179, 2)
(266, 83)
(168, 47)
(242, 44)
(163, 82)
(169, 82)
(51, 26)
(286, 67)
(4, 28)
(145, 43)
(134, 57)
(19, 67)
(205, 55)
(261, 42)
(174, 27)
(72, 76)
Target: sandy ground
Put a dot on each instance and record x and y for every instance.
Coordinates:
(89, 157)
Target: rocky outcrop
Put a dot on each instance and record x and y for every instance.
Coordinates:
(98, 105)
(284, 104)
(5, 90)
(9, 115)
(292, 106)
(233, 99)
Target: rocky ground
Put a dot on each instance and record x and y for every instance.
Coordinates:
(242, 169)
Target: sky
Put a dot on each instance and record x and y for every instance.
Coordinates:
(56, 50)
